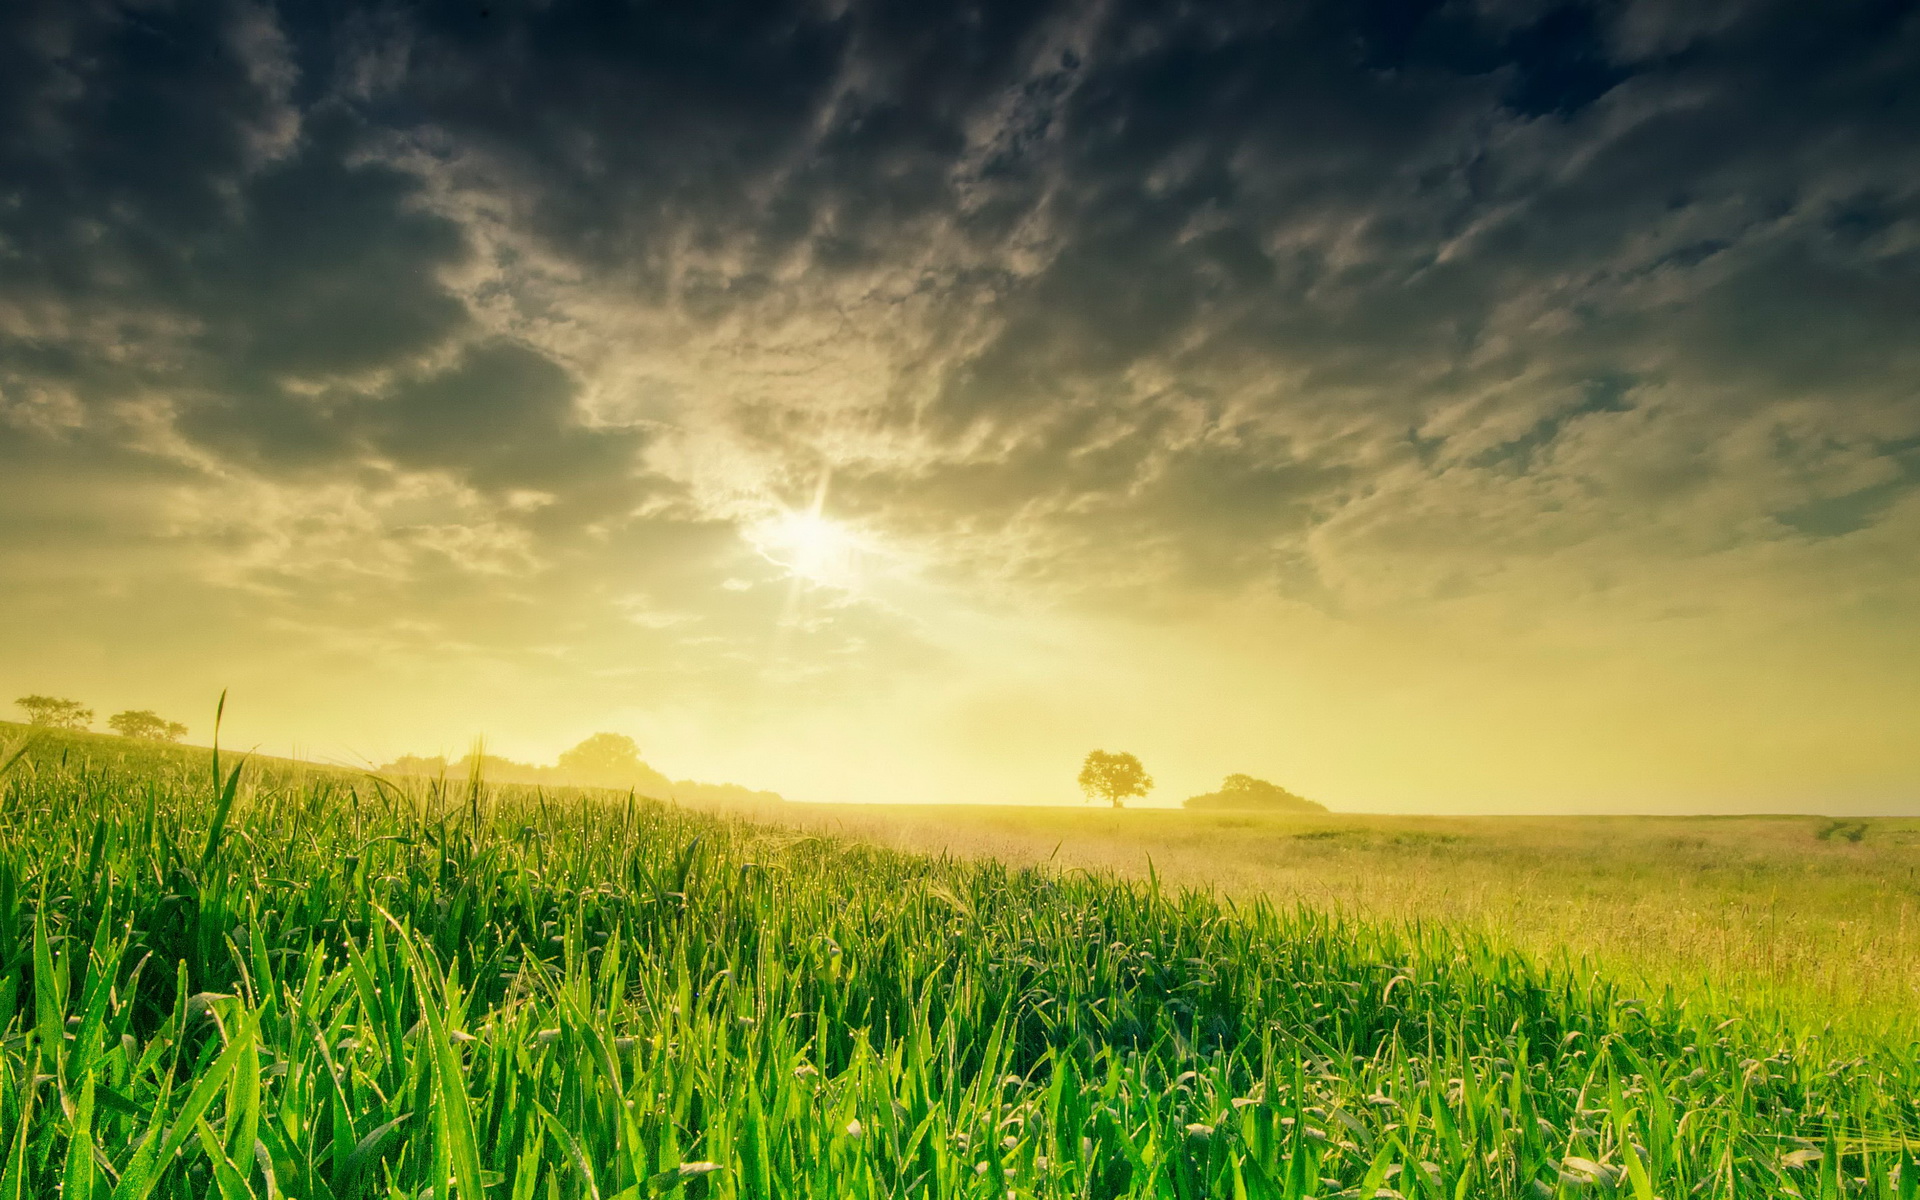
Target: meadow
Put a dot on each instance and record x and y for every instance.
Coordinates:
(1816, 917)
(256, 980)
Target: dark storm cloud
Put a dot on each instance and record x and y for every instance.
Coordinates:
(192, 229)
(1245, 223)
(503, 415)
(155, 176)
(769, 129)
(1193, 279)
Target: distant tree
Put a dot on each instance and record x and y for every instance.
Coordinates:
(1114, 777)
(612, 760)
(145, 723)
(1247, 785)
(414, 764)
(51, 712)
(603, 756)
(1244, 791)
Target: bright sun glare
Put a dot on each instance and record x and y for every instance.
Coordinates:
(811, 547)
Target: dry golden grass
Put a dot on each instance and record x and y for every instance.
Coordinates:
(1765, 910)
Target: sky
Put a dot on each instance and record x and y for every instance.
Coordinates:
(1470, 406)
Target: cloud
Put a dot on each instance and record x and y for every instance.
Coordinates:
(213, 261)
(1112, 271)
(1102, 261)
(1451, 311)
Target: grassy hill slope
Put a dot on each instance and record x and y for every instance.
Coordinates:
(213, 984)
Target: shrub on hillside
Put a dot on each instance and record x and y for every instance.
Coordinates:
(147, 724)
(1246, 792)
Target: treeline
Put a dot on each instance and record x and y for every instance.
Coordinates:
(606, 760)
(56, 712)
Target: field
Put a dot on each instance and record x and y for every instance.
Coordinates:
(258, 980)
(1817, 917)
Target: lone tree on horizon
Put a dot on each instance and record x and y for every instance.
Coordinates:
(147, 724)
(611, 760)
(51, 712)
(1114, 777)
(603, 754)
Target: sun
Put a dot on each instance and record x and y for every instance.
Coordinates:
(810, 547)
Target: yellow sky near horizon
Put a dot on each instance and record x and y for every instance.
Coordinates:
(996, 703)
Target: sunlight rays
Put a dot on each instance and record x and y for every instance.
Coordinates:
(811, 547)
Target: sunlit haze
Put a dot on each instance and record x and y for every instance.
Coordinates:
(812, 548)
(1474, 407)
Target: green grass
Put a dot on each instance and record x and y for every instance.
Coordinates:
(335, 988)
(1815, 918)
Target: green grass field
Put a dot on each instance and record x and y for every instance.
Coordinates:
(267, 981)
(1813, 916)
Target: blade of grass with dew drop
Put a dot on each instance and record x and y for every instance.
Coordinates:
(456, 1107)
(366, 1154)
(1623, 1137)
(49, 995)
(243, 1104)
(202, 1096)
(13, 1180)
(96, 991)
(222, 807)
(526, 1171)
(219, 714)
(342, 1134)
(16, 754)
(576, 1157)
(77, 1180)
(226, 1175)
(141, 1171)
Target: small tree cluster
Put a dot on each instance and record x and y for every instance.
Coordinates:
(1246, 792)
(51, 712)
(55, 712)
(147, 724)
